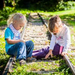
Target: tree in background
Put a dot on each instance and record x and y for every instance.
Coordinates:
(11, 3)
(50, 5)
(2, 4)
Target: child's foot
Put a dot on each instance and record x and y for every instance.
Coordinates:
(31, 59)
(22, 62)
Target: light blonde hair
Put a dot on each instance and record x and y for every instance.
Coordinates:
(17, 16)
(54, 21)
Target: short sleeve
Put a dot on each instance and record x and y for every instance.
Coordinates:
(7, 34)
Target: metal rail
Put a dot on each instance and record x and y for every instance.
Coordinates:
(69, 64)
(8, 65)
(42, 20)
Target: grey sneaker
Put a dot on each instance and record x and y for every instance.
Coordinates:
(31, 59)
(22, 62)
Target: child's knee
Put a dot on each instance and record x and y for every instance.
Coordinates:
(21, 44)
(31, 43)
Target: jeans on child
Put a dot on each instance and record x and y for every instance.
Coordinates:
(21, 50)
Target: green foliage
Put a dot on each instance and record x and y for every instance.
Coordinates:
(63, 69)
(3, 56)
(12, 2)
(4, 14)
(50, 5)
(7, 10)
(69, 18)
(72, 59)
(58, 66)
(3, 22)
(38, 4)
(65, 5)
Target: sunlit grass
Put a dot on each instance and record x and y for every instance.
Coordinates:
(26, 11)
(58, 12)
(72, 59)
(57, 67)
(3, 56)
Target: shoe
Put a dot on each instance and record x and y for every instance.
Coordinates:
(31, 59)
(22, 62)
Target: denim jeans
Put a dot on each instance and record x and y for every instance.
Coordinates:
(21, 50)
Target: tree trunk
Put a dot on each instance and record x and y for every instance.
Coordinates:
(1, 4)
(60, 0)
(4, 3)
(13, 3)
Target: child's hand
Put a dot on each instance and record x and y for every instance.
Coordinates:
(64, 53)
(47, 56)
(22, 41)
(50, 53)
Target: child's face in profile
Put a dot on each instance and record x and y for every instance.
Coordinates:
(56, 30)
(19, 25)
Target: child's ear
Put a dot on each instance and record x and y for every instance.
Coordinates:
(14, 21)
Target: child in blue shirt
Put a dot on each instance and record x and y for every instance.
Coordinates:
(13, 43)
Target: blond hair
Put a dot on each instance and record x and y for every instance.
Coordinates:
(17, 16)
(54, 21)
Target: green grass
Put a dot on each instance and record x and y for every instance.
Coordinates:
(58, 66)
(72, 58)
(57, 12)
(3, 56)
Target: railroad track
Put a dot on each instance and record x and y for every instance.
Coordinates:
(36, 30)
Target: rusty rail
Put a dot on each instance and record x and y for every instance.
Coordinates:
(42, 20)
(69, 64)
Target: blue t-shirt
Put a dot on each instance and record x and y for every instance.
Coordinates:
(8, 35)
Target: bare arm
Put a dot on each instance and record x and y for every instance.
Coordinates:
(9, 41)
(52, 43)
(49, 53)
